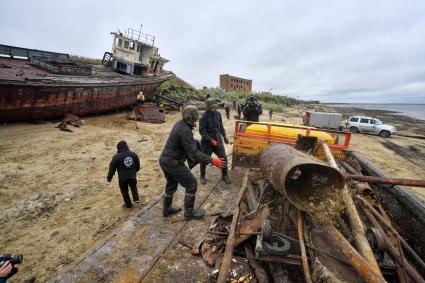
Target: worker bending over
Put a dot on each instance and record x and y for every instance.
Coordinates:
(213, 133)
(181, 146)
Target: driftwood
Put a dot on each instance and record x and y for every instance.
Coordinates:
(355, 221)
(228, 253)
(302, 246)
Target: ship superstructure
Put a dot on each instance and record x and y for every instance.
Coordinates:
(134, 53)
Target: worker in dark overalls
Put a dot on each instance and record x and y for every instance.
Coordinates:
(239, 109)
(213, 133)
(181, 146)
(127, 164)
(227, 109)
(252, 109)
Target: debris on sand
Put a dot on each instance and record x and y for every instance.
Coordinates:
(147, 112)
(69, 119)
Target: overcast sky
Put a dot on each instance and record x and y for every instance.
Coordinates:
(332, 51)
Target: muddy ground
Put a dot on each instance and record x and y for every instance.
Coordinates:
(56, 203)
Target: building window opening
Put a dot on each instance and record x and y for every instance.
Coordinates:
(121, 67)
(126, 44)
(119, 42)
(132, 45)
(138, 70)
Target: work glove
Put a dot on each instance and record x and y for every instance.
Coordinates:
(226, 140)
(218, 162)
(214, 143)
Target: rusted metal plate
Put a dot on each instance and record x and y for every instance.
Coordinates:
(147, 112)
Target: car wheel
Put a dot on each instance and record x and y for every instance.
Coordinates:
(385, 134)
(354, 130)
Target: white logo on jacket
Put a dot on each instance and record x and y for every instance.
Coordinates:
(128, 162)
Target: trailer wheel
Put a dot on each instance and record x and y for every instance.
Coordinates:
(354, 130)
(385, 134)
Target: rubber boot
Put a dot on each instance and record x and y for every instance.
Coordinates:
(226, 179)
(224, 176)
(189, 212)
(203, 180)
(167, 208)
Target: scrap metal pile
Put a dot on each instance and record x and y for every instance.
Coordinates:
(298, 219)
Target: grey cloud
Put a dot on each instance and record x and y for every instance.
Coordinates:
(323, 50)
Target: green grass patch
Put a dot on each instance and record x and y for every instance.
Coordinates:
(85, 60)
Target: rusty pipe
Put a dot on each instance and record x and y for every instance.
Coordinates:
(299, 179)
(307, 183)
(360, 264)
(355, 221)
(386, 181)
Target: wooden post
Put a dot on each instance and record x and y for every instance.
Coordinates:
(228, 252)
(355, 221)
(302, 246)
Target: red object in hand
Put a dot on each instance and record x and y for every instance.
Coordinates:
(214, 143)
(218, 162)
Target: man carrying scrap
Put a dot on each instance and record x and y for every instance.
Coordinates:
(181, 146)
(213, 133)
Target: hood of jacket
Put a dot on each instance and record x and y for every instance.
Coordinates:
(122, 146)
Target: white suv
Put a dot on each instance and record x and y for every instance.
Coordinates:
(361, 124)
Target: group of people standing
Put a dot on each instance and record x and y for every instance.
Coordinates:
(179, 148)
(251, 110)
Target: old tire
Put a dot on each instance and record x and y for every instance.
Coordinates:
(276, 245)
(385, 134)
(354, 130)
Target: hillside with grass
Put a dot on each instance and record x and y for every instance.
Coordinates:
(183, 91)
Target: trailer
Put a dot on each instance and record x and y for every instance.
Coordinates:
(325, 120)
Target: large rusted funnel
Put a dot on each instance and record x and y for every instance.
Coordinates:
(308, 184)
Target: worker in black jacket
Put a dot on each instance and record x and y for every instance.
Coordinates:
(252, 109)
(181, 146)
(227, 109)
(127, 164)
(213, 133)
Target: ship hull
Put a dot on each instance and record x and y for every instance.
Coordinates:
(24, 102)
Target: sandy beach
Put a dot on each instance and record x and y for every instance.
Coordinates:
(56, 202)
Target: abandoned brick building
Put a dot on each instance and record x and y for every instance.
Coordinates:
(228, 82)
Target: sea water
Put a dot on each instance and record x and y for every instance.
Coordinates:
(411, 110)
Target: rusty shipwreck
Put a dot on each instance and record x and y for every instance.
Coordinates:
(42, 85)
